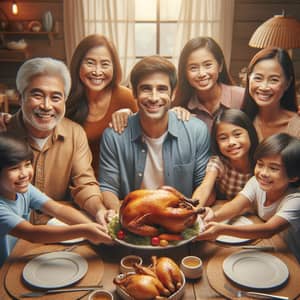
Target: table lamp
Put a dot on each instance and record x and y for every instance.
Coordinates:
(279, 31)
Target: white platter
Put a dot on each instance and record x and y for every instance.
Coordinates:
(175, 296)
(255, 269)
(170, 245)
(55, 270)
(56, 222)
(241, 220)
(150, 247)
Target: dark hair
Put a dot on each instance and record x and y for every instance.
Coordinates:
(184, 90)
(288, 147)
(238, 118)
(150, 65)
(77, 108)
(13, 151)
(288, 99)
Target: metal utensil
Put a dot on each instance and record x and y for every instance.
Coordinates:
(64, 290)
(258, 247)
(66, 249)
(257, 295)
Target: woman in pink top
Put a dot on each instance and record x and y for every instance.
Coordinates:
(205, 86)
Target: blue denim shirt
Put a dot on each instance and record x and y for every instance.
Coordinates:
(185, 155)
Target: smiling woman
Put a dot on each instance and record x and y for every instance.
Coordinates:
(270, 97)
(96, 92)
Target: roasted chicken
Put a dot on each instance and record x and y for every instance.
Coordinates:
(143, 211)
(142, 287)
(161, 279)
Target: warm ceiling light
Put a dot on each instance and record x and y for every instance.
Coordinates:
(14, 8)
(279, 31)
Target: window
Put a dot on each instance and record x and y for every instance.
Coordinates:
(155, 27)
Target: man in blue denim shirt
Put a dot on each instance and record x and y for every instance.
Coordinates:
(156, 148)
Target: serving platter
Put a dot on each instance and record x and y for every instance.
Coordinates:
(256, 269)
(55, 270)
(150, 247)
(147, 246)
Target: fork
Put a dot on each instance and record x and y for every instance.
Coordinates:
(240, 294)
(63, 290)
(66, 249)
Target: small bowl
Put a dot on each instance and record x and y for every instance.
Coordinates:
(101, 295)
(127, 262)
(191, 267)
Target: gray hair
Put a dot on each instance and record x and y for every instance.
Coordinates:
(43, 66)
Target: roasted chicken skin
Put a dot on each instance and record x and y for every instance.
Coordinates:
(142, 211)
(161, 279)
(142, 287)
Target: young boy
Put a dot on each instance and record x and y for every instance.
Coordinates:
(271, 193)
(18, 197)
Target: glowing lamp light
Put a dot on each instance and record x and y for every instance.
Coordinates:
(14, 8)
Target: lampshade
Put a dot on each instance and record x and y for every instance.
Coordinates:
(278, 31)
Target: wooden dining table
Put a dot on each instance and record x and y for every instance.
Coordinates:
(104, 260)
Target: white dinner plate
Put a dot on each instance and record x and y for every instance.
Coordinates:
(56, 222)
(55, 270)
(255, 269)
(241, 220)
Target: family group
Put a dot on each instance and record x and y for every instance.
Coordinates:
(81, 136)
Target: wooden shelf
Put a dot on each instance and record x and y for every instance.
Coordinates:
(50, 34)
(8, 55)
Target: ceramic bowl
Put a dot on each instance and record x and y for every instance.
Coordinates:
(175, 296)
(126, 264)
(13, 45)
(191, 266)
(101, 295)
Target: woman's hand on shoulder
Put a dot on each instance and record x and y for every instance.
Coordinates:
(119, 119)
(4, 119)
(181, 113)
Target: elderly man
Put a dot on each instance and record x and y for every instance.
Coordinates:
(62, 158)
(156, 148)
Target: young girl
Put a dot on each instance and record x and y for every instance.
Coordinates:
(18, 197)
(272, 193)
(205, 86)
(270, 97)
(233, 142)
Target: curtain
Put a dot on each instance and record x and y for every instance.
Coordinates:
(114, 19)
(73, 25)
(212, 18)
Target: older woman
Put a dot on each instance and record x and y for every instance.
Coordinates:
(270, 98)
(96, 92)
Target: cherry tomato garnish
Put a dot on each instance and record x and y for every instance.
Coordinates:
(121, 235)
(155, 241)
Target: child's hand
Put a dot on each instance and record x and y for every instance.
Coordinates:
(211, 231)
(208, 214)
(97, 234)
